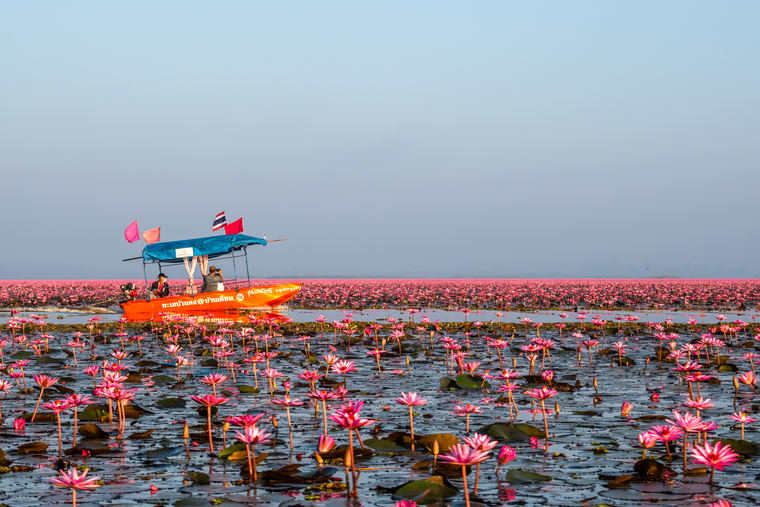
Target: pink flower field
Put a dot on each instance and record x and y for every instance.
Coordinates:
(442, 294)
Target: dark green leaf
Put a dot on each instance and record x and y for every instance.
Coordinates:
(471, 382)
(231, 449)
(172, 403)
(415, 489)
(381, 445)
(518, 476)
(199, 478)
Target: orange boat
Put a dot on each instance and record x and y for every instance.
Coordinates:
(198, 251)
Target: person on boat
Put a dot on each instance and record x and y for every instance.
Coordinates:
(159, 288)
(213, 280)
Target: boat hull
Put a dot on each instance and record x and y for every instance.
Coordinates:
(265, 296)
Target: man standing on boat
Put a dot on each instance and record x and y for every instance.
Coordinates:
(213, 280)
(159, 289)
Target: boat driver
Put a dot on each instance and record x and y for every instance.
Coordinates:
(159, 288)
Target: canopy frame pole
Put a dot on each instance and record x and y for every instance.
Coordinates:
(248, 272)
(234, 269)
(145, 275)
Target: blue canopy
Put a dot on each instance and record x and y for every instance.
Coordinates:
(173, 252)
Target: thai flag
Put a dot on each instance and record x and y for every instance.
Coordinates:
(220, 221)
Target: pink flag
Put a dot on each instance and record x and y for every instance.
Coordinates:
(131, 233)
(152, 236)
(235, 227)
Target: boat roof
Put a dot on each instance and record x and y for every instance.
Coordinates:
(174, 252)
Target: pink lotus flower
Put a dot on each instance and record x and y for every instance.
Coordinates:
(244, 420)
(213, 380)
(647, 440)
(542, 393)
(687, 422)
(506, 454)
(626, 408)
(410, 399)
(480, 442)
(699, 404)
(718, 456)
(19, 424)
(326, 443)
(464, 456)
(73, 480)
(209, 401)
(350, 420)
(251, 436)
(535, 443)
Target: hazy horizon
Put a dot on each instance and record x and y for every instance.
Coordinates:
(423, 140)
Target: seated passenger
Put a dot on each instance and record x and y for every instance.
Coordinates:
(159, 289)
(213, 280)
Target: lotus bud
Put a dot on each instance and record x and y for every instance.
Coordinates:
(556, 407)
(186, 431)
(347, 458)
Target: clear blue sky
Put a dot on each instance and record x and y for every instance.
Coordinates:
(428, 139)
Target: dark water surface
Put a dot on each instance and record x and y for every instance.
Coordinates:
(591, 442)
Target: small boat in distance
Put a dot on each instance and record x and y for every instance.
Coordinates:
(199, 251)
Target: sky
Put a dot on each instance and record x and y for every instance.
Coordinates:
(425, 139)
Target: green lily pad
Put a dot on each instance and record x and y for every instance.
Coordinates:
(199, 478)
(433, 492)
(447, 384)
(743, 447)
(231, 450)
(529, 430)
(511, 431)
(93, 414)
(48, 360)
(172, 403)
(471, 382)
(163, 379)
(92, 431)
(165, 452)
(728, 367)
(445, 441)
(211, 363)
(193, 501)
(381, 445)
(248, 389)
(63, 389)
(22, 355)
(518, 476)
(32, 448)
